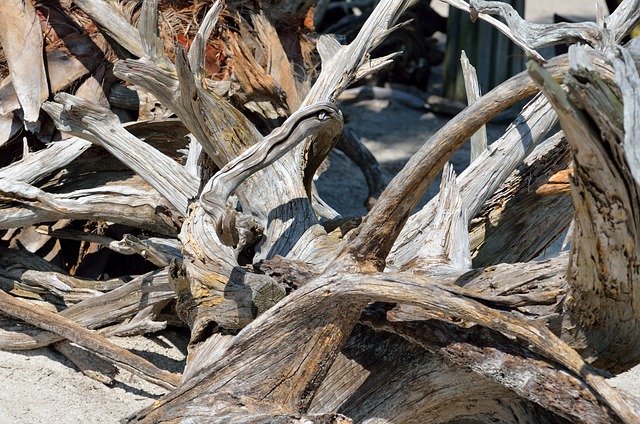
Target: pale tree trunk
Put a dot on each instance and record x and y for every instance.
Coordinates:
(297, 315)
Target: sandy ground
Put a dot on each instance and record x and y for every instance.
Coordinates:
(42, 386)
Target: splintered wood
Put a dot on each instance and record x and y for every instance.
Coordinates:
(196, 163)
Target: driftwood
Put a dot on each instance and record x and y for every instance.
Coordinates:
(295, 313)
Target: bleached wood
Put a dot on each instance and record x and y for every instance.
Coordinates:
(194, 157)
(152, 288)
(278, 65)
(101, 126)
(209, 352)
(96, 312)
(16, 336)
(445, 244)
(354, 59)
(482, 177)
(367, 384)
(210, 274)
(85, 338)
(322, 120)
(269, 372)
(196, 53)
(89, 364)
(472, 87)
(40, 164)
(159, 251)
(528, 212)
(537, 35)
(52, 283)
(623, 19)
(462, 5)
(113, 24)
(132, 203)
(208, 118)
(604, 294)
(531, 36)
(319, 300)
(628, 80)
(144, 322)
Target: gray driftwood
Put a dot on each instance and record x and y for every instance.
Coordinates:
(295, 313)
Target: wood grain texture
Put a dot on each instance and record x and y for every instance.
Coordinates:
(528, 212)
(317, 318)
(101, 126)
(602, 269)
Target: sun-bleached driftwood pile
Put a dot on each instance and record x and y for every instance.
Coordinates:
(199, 157)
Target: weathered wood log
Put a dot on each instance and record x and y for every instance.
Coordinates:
(77, 116)
(113, 24)
(379, 373)
(343, 296)
(132, 203)
(40, 164)
(28, 276)
(209, 118)
(293, 293)
(528, 212)
(446, 248)
(159, 251)
(602, 269)
(479, 181)
(77, 334)
(322, 120)
(90, 365)
(615, 27)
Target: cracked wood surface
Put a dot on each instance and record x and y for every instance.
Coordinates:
(602, 305)
(277, 363)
